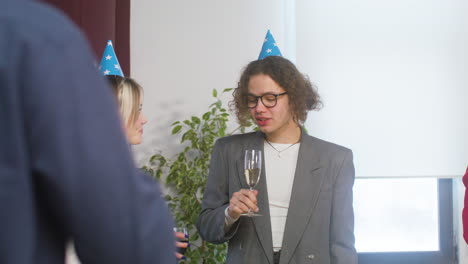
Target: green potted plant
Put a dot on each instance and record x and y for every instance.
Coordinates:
(185, 175)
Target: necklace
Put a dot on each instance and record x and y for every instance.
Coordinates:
(279, 151)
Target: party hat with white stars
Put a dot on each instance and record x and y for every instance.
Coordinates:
(109, 62)
(269, 47)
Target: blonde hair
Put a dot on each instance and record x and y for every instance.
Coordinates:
(129, 95)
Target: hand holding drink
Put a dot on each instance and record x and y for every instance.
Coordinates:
(244, 202)
(182, 239)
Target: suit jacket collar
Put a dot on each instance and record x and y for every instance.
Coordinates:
(304, 196)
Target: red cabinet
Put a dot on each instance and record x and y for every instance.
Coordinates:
(102, 20)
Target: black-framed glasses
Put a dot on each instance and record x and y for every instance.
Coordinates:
(269, 100)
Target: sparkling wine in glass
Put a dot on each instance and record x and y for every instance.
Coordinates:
(252, 171)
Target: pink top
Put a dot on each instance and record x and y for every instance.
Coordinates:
(465, 208)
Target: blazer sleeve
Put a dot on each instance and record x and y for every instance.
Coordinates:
(465, 208)
(85, 176)
(342, 220)
(216, 198)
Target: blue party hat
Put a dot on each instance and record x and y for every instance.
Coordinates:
(269, 47)
(109, 62)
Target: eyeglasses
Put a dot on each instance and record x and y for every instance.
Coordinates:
(268, 100)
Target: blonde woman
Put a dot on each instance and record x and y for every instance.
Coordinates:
(129, 95)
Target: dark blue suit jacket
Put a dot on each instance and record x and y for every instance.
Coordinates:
(66, 171)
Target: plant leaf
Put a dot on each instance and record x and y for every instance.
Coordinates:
(195, 120)
(176, 129)
(206, 116)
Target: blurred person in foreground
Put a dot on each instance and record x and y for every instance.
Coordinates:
(66, 172)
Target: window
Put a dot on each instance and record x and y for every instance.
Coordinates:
(404, 220)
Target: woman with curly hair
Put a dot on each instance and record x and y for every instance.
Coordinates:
(304, 194)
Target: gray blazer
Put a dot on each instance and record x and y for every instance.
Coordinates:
(320, 224)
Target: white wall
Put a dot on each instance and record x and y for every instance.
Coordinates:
(393, 76)
(181, 50)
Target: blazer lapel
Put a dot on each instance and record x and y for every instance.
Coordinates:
(304, 195)
(262, 223)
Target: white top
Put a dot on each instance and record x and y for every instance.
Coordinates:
(280, 169)
(280, 166)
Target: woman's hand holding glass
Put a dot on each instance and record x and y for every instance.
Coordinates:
(181, 243)
(242, 202)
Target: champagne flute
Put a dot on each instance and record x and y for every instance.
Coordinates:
(252, 170)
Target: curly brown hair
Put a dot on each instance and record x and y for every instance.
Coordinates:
(303, 95)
